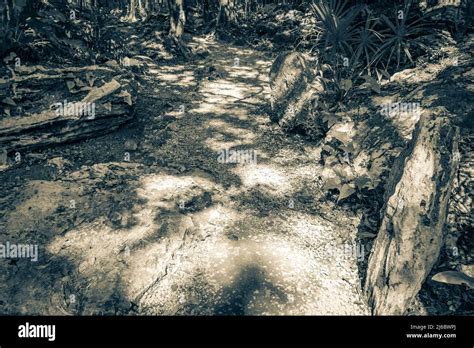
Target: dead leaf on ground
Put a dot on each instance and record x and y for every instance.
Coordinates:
(70, 85)
(9, 101)
(346, 191)
(454, 277)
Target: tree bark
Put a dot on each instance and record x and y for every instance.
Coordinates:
(177, 22)
(412, 230)
(131, 12)
(103, 110)
(177, 18)
(141, 10)
(295, 91)
(226, 13)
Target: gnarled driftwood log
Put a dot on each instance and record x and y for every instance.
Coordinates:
(411, 232)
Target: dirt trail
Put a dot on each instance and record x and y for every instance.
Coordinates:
(259, 250)
(200, 236)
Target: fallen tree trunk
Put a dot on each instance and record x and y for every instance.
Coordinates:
(44, 112)
(412, 230)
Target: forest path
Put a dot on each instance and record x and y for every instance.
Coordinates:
(254, 241)
(173, 229)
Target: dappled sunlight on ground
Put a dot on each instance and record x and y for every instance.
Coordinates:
(265, 176)
(140, 250)
(192, 235)
(173, 75)
(240, 262)
(215, 91)
(255, 266)
(226, 136)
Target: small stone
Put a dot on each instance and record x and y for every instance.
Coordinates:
(131, 145)
(173, 127)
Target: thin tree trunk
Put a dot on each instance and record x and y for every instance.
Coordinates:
(131, 12)
(141, 10)
(226, 13)
(177, 22)
(177, 18)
